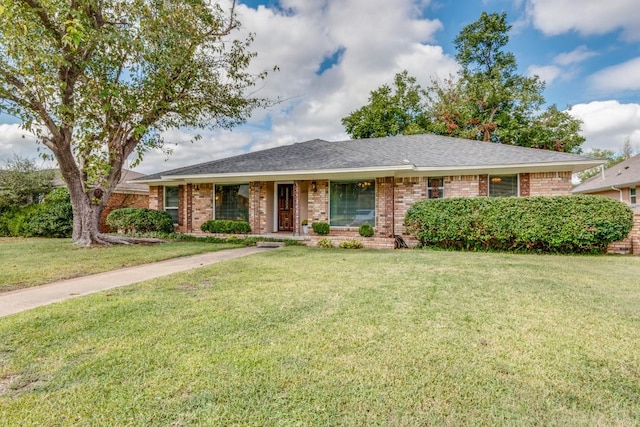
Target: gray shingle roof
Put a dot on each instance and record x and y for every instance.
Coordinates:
(625, 174)
(419, 151)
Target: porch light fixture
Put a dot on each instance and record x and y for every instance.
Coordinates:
(496, 179)
(314, 186)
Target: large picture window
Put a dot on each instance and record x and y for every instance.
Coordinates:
(503, 185)
(171, 200)
(232, 202)
(352, 203)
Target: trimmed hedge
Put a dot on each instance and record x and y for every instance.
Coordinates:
(366, 230)
(560, 224)
(321, 228)
(140, 220)
(226, 226)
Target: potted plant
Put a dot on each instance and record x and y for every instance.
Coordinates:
(305, 226)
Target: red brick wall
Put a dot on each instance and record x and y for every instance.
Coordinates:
(385, 214)
(525, 187)
(630, 245)
(156, 197)
(122, 200)
(258, 217)
(318, 207)
(202, 205)
(407, 191)
(550, 184)
(462, 186)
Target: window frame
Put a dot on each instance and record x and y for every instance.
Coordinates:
(167, 208)
(215, 201)
(502, 176)
(373, 207)
(439, 189)
(633, 197)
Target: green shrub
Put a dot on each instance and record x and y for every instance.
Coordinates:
(366, 230)
(140, 220)
(321, 228)
(226, 226)
(351, 244)
(325, 243)
(560, 224)
(54, 218)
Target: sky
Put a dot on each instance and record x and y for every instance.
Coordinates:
(331, 54)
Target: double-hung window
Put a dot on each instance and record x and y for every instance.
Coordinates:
(352, 203)
(435, 188)
(171, 200)
(632, 196)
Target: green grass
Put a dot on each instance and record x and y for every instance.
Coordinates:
(31, 262)
(302, 336)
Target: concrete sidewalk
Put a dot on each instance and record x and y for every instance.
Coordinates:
(25, 299)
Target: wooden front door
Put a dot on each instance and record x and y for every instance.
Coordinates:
(285, 207)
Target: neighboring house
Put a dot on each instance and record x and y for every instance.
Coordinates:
(127, 194)
(347, 183)
(620, 182)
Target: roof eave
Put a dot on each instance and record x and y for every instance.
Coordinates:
(280, 175)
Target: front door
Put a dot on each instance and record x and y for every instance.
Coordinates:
(285, 207)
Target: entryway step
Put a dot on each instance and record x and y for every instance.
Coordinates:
(270, 244)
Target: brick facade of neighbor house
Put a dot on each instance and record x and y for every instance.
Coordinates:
(630, 245)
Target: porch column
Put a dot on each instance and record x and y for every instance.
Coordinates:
(296, 207)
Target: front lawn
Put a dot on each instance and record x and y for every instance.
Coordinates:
(303, 336)
(31, 262)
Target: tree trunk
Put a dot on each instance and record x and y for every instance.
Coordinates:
(86, 218)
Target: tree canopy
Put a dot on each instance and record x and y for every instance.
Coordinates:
(22, 183)
(488, 100)
(99, 81)
(391, 111)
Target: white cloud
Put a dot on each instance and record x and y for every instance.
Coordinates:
(579, 54)
(547, 73)
(587, 17)
(14, 141)
(607, 124)
(620, 77)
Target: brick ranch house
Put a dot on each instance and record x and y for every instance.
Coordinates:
(619, 182)
(347, 183)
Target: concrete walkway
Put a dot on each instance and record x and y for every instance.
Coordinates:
(25, 299)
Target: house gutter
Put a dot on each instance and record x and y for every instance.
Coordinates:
(617, 189)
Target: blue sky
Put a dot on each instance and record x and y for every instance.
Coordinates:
(332, 53)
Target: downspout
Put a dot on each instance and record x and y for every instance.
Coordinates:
(617, 189)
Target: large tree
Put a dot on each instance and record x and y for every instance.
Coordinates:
(98, 81)
(390, 111)
(488, 100)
